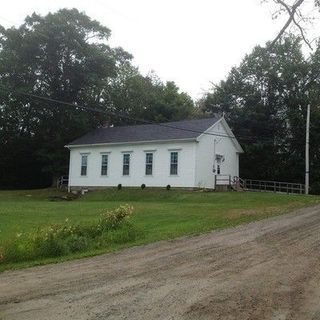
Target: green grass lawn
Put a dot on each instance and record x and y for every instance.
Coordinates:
(160, 214)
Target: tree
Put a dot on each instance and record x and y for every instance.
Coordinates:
(298, 16)
(62, 56)
(265, 101)
(65, 56)
(147, 98)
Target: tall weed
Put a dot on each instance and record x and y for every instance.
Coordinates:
(112, 227)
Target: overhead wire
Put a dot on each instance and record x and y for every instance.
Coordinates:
(116, 114)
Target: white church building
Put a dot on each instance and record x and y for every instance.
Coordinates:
(190, 154)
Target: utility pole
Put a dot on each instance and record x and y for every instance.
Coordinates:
(307, 151)
(214, 163)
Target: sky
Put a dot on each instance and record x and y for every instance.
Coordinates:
(192, 42)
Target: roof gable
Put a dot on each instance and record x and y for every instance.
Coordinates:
(228, 134)
(186, 129)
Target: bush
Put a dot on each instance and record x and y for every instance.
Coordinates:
(48, 244)
(56, 240)
(119, 186)
(76, 243)
(128, 232)
(168, 187)
(143, 186)
(113, 219)
(14, 250)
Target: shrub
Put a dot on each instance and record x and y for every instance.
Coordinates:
(60, 239)
(143, 186)
(119, 186)
(113, 219)
(48, 244)
(168, 187)
(76, 243)
(14, 250)
(126, 233)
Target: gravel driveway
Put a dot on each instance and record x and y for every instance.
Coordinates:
(264, 270)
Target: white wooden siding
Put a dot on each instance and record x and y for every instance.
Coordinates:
(161, 165)
(195, 162)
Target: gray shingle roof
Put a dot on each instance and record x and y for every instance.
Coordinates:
(147, 132)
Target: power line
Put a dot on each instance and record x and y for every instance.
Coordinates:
(98, 110)
(118, 115)
(108, 112)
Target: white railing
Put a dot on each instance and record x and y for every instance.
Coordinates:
(236, 183)
(273, 186)
(62, 182)
(223, 180)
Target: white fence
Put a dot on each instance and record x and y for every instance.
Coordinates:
(237, 183)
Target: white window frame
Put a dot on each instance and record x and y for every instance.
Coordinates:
(146, 163)
(107, 154)
(170, 163)
(81, 164)
(128, 164)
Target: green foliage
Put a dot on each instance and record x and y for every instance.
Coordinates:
(146, 97)
(66, 56)
(128, 234)
(113, 219)
(15, 250)
(264, 100)
(45, 243)
(57, 240)
(77, 243)
(61, 56)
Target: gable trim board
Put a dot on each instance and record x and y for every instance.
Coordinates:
(229, 134)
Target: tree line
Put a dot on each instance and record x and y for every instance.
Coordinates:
(65, 56)
(265, 100)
